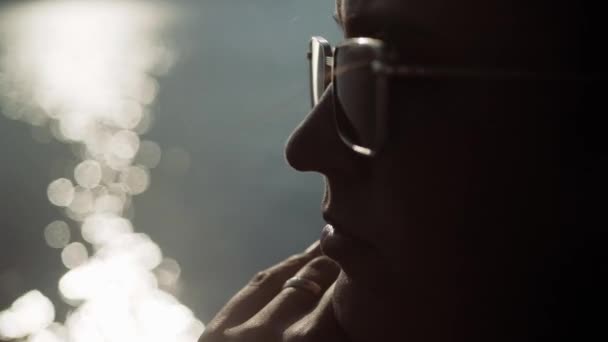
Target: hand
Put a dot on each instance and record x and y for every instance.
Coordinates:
(264, 311)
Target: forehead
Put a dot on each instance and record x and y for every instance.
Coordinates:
(467, 31)
(443, 17)
(355, 7)
(373, 14)
(399, 22)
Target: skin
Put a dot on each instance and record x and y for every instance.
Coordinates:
(459, 215)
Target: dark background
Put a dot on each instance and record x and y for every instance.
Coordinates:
(231, 101)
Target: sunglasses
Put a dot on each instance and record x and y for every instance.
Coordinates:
(359, 70)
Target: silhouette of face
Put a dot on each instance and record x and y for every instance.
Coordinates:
(429, 231)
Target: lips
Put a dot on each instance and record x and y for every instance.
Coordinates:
(349, 251)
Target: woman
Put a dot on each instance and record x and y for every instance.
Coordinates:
(452, 143)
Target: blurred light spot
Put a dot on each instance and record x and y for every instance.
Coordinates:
(164, 315)
(75, 126)
(96, 142)
(81, 283)
(124, 144)
(28, 315)
(120, 190)
(46, 335)
(83, 326)
(195, 331)
(149, 154)
(99, 191)
(148, 90)
(129, 115)
(134, 249)
(107, 280)
(74, 255)
(61, 192)
(86, 70)
(108, 175)
(88, 174)
(57, 234)
(102, 229)
(83, 201)
(168, 58)
(146, 123)
(143, 88)
(136, 178)
(115, 162)
(78, 217)
(176, 161)
(109, 204)
(168, 272)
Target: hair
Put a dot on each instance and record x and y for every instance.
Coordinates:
(573, 290)
(582, 23)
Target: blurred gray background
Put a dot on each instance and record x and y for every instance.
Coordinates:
(231, 101)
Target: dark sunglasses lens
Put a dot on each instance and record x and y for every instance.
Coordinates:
(318, 70)
(355, 94)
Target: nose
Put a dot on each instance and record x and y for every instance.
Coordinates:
(316, 146)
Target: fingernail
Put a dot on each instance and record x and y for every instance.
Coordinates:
(312, 247)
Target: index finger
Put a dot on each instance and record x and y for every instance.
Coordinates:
(262, 288)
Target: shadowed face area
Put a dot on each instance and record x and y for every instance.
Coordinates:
(442, 227)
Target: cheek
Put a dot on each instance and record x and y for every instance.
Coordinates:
(464, 178)
(426, 184)
(421, 202)
(428, 175)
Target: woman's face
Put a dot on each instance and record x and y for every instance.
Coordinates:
(437, 218)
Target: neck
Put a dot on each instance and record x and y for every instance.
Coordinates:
(534, 301)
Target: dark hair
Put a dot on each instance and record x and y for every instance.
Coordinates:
(575, 293)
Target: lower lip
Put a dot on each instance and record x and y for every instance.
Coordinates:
(340, 247)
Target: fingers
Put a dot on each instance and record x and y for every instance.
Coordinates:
(294, 302)
(319, 325)
(262, 288)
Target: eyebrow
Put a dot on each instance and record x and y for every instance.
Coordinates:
(371, 25)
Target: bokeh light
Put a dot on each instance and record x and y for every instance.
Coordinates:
(102, 229)
(88, 174)
(57, 234)
(124, 145)
(168, 272)
(29, 314)
(85, 73)
(61, 192)
(82, 202)
(74, 255)
(54, 333)
(136, 178)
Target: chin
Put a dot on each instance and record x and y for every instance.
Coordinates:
(361, 312)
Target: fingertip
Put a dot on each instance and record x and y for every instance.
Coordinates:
(315, 247)
(321, 269)
(325, 264)
(258, 278)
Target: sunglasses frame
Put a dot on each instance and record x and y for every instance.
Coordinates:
(383, 69)
(381, 72)
(380, 96)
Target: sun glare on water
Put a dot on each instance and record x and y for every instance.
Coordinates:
(87, 72)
